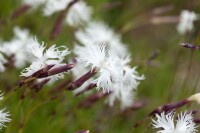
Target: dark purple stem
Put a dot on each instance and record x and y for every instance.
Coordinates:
(59, 21)
(56, 70)
(18, 12)
(81, 80)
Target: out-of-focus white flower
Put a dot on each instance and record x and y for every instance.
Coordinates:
(103, 50)
(165, 123)
(80, 13)
(53, 6)
(34, 3)
(2, 61)
(99, 32)
(41, 57)
(186, 21)
(4, 116)
(15, 47)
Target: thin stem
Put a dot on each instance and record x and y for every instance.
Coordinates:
(183, 87)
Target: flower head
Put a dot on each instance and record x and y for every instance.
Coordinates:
(40, 57)
(79, 13)
(186, 21)
(113, 71)
(91, 55)
(165, 121)
(4, 116)
(99, 32)
(34, 3)
(103, 50)
(53, 6)
(96, 57)
(2, 62)
(15, 47)
(125, 89)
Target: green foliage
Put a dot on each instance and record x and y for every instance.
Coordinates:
(170, 77)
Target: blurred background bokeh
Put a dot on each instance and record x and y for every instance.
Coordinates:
(172, 72)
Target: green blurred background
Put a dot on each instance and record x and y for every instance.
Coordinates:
(173, 75)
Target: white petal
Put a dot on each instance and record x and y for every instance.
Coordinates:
(79, 14)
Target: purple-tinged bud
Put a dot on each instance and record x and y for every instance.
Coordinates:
(56, 70)
(59, 22)
(196, 120)
(83, 131)
(77, 83)
(89, 87)
(188, 45)
(169, 107)
(43, 70)
(21, 10)
(57, 26)
(34, 76)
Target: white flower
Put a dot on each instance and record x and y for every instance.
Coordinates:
(91, 54)
(186, 21)
(125, 89)
(165, 121)
(53, 6)
(96, 57)
(41, 57)
(34, 3)
(3, 115)
(113, 73)
(4, 118)
(99, 32)
(2, 62)
(16, 46)
(79, 14)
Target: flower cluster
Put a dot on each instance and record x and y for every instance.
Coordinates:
(15, 47)
(78, 14)
(4, 116)
(99, 32)
(40, 57)
(187, 19)
(103, 51)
